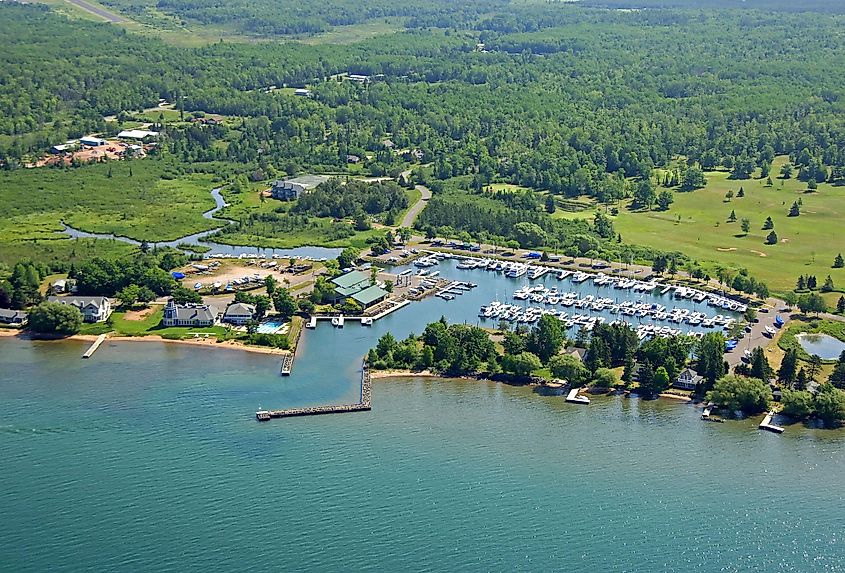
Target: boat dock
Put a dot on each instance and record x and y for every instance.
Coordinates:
(312, 322)
(574, 398)
(767, 425)
(364, 405)
(287, 364)
(95, 346)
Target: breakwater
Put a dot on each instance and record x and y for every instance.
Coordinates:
(364, 404)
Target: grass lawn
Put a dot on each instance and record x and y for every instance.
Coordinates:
(58, 250)
(696, 224)
(151, 203)
(357, 32)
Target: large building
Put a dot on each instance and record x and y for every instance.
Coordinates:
(356, 285)
(190, 314)
(137, 134)
(291, 189)
(239, 313)
(93, 308)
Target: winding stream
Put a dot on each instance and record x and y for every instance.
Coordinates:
(199, 239)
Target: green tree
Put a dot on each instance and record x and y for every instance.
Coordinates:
(768, 224)
(693, 179)
(347, 257)
(710, 351)
(664, 199)
(838, 262)
(829, 404)
(788, 367)
(521, 364)
(795, 210)
(128, 295)
(547, 338)
(745, 225)
(732, 392)
(772, 238)
(786, 171)
(551, 206)
(798, 404)
(55, 318)
(270, 284)
(182, 295)
(732, 217)
(811, 302)
(569, 368)
(284, 303)
(651, 386)
(604, 378)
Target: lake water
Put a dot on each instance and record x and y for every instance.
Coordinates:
(824, 346)
(148, 457)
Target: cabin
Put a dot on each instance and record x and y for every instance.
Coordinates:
(688, 379)
(93, 308)
(59, 287)
(13, 317)
(239, 313)
(191, 314)
(302, 92)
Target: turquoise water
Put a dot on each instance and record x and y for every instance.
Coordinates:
(147, 457)
(824, 346)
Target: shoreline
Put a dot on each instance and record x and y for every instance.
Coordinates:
(210, 342)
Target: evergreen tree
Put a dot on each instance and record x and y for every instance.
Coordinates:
(732, 217)
(769, 224)
(788, 367)
(840, 305)
(801, 380)
(772, 238)
(795, 210)
(828, 284)
(811, 282)
(837, 377)
(741, 192)
(838, 262)
(801, 284)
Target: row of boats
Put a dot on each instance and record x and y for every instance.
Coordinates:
(515, 269)
(639, 309)
(230, 286)
(262, 256)
(527, 315)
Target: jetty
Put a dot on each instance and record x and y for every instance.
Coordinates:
(312, 322)
(574, 398)
(287, 364)
(95, 346)
(364, 405)
(767, 425)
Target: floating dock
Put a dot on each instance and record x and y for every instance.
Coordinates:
(95, 346)
(767, 425)
(364, 405)
(312, 322)
(574, 398)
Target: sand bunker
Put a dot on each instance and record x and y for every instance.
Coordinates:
(758, 253)
(725, 249)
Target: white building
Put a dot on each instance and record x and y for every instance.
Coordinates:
(93, 308)
(239, 313)
(137, 134)
(688, 379)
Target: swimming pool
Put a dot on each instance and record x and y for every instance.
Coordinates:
(271, 327)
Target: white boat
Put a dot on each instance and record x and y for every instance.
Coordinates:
(366, 321)
(337, 321)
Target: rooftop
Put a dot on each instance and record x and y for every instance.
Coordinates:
(370, 294)
(352, 279)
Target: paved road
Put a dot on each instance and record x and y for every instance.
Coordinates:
(98, 11)
(416, 208)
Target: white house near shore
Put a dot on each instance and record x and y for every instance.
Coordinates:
(93, 308)
(688, 379)
(190, 314)
(239, 313)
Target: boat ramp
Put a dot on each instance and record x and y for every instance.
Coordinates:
(95, 346)
(363, 405)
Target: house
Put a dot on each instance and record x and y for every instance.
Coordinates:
(137, 134)
(93, 308)
(92, 141)
(577, 352)
(688, 379)
(239, 313)
(291, 189)
(191, 314)
(65, 147)
(59, 286)
(15, 317)
(388, 144)
(360, 78)
(353, 159)
(302, 92)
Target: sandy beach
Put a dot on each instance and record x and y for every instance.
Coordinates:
(210, 342)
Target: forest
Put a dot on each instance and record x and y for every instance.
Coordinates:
(567, 102)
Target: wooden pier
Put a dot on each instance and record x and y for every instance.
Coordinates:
(287, 364)
(95, 346)
(312, 322)
(574, 398)
(767, 425)
(362, 406)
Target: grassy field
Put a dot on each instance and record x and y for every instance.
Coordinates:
(696, 224)
(140, 200)
(62, 250)
(357, 32)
